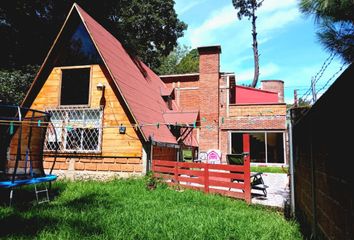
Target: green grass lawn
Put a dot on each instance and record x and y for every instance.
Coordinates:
(125, 209)
(269, 169)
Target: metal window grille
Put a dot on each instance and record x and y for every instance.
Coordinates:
(78, 129)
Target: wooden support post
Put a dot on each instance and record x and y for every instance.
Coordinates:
(152, 167)
(206, 178)
(247, 166)
(175, 172)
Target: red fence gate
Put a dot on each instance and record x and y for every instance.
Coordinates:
(228, 180)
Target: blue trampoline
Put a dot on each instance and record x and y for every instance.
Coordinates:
(21, 182)
(22, 135)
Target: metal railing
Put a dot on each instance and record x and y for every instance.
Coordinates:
(78, 129)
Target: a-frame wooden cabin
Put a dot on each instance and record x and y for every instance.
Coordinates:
(112, 114)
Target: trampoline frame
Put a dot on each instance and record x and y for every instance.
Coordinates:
(13, 182)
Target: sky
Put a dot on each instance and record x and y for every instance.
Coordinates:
(287, 43)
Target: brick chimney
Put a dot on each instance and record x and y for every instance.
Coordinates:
(209, 75)
(274, 86)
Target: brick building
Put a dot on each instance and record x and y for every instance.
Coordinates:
(227, 110)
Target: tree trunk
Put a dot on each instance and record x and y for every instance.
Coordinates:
(255, 49)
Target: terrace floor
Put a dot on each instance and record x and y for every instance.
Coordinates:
(277, 192)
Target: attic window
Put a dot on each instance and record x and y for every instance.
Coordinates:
(75, 85)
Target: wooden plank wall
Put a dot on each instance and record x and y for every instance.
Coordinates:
(168, 154)
(127, 148)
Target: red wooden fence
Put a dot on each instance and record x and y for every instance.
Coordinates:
(228, 180)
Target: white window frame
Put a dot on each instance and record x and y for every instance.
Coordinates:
(61, 128)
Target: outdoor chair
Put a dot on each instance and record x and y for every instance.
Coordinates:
(257, 182)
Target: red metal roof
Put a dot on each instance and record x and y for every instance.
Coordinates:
(139, 86)
(167, 91)
(183, 118)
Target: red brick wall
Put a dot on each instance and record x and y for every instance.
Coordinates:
(186, 91)
(257, 110)
(256, 117)
(96, 164)
(223, 140)
(189, 99)
(224, 145)
(274, 86)
(170, 79)
(208, 93)
(255, 123)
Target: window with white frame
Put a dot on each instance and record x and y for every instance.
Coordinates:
(77, 130)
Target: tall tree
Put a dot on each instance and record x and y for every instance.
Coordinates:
(170, 62)
(335, 20)
(180, 60)
(189, 63)
(248, 8)
(14, 83)
(148, 29)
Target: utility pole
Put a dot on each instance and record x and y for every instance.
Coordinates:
(313, 89)
(295, 98)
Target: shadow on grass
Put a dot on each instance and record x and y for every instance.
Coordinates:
(90, 201)
(28, 222)
(17, 226)
(24, 197)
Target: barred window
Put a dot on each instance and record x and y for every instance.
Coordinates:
(77, 129)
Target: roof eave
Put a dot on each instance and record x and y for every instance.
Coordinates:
(110, 72)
